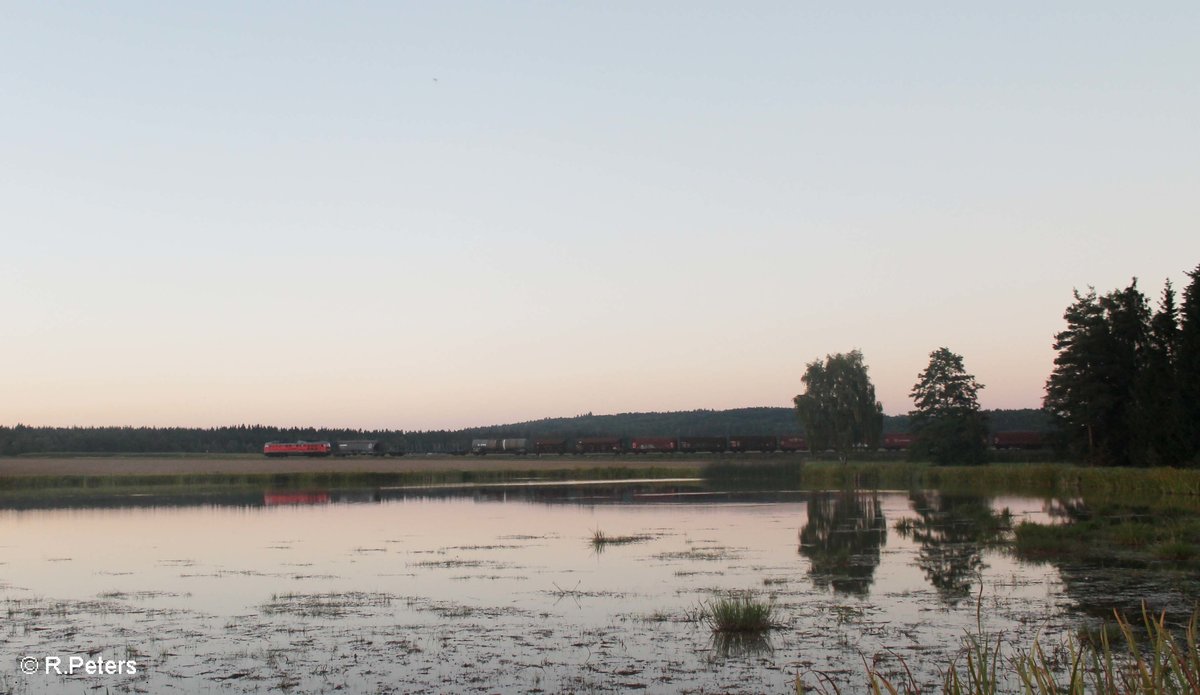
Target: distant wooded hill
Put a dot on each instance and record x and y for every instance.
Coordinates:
(250, 438)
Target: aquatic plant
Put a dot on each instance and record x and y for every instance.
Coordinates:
(739, 613)
(1150, 659)
(600, 539)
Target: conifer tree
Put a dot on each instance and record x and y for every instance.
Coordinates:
(1092, 391)
(947, 421)
(1187, 366)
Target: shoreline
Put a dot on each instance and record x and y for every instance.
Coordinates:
(199, 464)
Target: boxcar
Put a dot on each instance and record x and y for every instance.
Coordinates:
(645, 445)
(753, 443)
(793, 444)
(897, 441)
(712, 445)
(550, 446)
(597, 445)
(1019, 440)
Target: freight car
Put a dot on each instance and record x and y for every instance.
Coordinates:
(361, 447)
(597, 445)
(550, 446)
(699, 445)
(482, 447)
(742, 444)
(793, 444)
(644, 445)
(897, 441)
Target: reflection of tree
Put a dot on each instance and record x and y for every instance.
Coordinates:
(952, 531)
(842, 538)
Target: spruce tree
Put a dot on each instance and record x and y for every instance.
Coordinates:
(1187, 367)
(1092, 391)
(947, 421)
(1159, 426)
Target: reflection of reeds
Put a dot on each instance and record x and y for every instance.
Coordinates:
(727, 645)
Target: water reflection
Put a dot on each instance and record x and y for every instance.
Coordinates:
(1121, 555)
(842, 540)
(735, 645)
(952, 530)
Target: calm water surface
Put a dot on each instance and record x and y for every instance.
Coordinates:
(500, 589)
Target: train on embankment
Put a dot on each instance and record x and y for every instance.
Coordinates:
(349, 447)
(893, 441)
(564, 446)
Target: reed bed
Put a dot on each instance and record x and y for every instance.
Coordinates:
(1043, 479)
(1150, 658)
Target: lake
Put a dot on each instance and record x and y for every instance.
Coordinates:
(501, 588)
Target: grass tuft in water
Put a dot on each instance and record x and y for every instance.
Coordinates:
(739, 613)
(601, 540)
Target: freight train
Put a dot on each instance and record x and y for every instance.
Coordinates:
(352, 447)
(892, 441)
(637, 445)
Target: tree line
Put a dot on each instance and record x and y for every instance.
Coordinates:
(249, 439)
(1125, 389)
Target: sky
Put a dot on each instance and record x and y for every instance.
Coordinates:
(438, 215)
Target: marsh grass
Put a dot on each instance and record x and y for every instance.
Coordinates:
(739, 613)
(327, 605)
(1116, 536)
(1121, 658)
(190, 482)
(1017, 478)
(601, 540)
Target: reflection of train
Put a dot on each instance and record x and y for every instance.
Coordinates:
(637, 445)
(275, 498)
(352, 447)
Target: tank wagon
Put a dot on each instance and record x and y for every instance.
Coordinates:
(518, 446)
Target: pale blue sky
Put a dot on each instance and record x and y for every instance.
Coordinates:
(445, 214)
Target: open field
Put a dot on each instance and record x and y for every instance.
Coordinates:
(118, 465)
